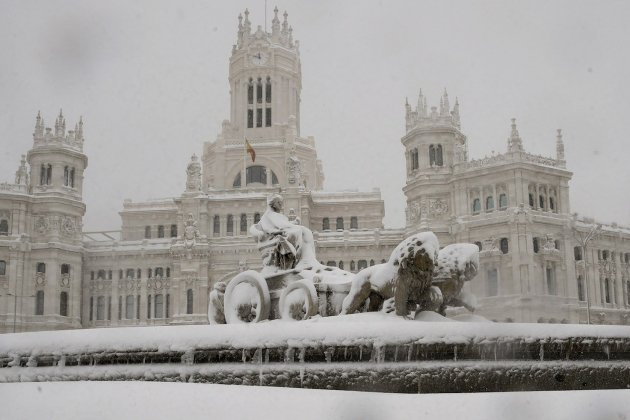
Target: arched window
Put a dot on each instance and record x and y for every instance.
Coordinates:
(149, 307)
(39, 302)
(139, 273)
(551, 280)
(147, 232)
(268, 90)
(250, 92)
(339, 223)
(371, 263)
(268, 117)
(243, 223)
(159, 272)
(552, 204)
(250, 118)
(432, 156)
(504, 245)
(531, 200)
(72, 178)
(189, 301)
(325, 223)
(100, 308)
(354, 222)
(362, 264)
(129, 307)
(138, 307)
(42, 175)
(415, 163)
(168, 272)
(541, 201)
(577, 253)
(331, 264)
(49, 174)
(259, 91)
(536, 245)
(493, 282)
(607, 291)
(258, 174)
(4, 227)
(580, 288)
(489, 203)
(160, 231)
(439, 161)
(66, 176)
(503, 203)
(101, 274)
(256, 217)
(120, 304)
(173, 231)
(476, 206)
(63, 304)
(230, 225)
(41, 267)
(130, 273)
(3, 268)
(159, 306)
(259, 116)
(216, 225)
(340, 265)
(167, 307)
(352, 266)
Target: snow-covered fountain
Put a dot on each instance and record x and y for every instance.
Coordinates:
(297, 323)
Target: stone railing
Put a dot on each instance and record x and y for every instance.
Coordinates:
(504, 158)
(19, 188)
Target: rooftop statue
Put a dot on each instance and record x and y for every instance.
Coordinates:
(293, 285)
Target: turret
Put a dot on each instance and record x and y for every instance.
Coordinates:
(515, 144)
(560, 149)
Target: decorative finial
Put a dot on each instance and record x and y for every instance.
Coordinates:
(514, 142)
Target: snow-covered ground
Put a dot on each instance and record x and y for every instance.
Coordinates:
(359, 329)
(142, 400)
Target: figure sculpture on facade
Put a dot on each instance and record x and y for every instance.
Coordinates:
(191, 232)
(193, 174)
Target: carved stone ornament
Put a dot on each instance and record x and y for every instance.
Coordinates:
(193, 174)
(64, 281)
(438, 207)
(40, 279)
(191, 232)
(42, 225)
(413, 212)
(294, 168)
(68, 226)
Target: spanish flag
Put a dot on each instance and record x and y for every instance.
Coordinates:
(249, 149)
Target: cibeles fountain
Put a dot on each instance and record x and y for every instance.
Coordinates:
(294, 285)
(298, 323)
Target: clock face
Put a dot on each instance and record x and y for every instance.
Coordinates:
(259, 58)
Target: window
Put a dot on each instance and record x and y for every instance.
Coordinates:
(3, 268)
(149, 273)
(478, 245)
(259, 91)
(167, 306)
(504, 245)
(476, 206)
(541, 201)
(503, 203)
(42, 175)
(250, 92)
(216, 226)
(159, 272)
(160, 231)
(63, 304)
(138, 307)
(256, 174)
(49, 174)
(340, 265)
(168, 272)
(109, 274)
(139, 273)
(250, 118)
(362, 264)
(72, 178)
(493, 282)
(536, 246)
(147, 232)
(120, 301)
(259, 117)
(432, 155)
(120, 274)
(256, 217)
(130, 273)
(607, 291)
(531, 200)
(91, 275)
(552, 203)
(109, 308)
(65, 269)
(489, 203)
(438, 155)
(41, 267)
(551, 281)
(556, 244)
(267, 117)
(354, 222)
(39, 302)
(230, 225)
(268, 91)
(4, 227)
(577, 253)
(339, 223)
(331, 264)
(580, 289)
(66, 176)
(149, 307)
(352, 266)
(173, 231)
(100, 308)
(415, 164)
(371, 263)
(243, 223)
(189, 301)
(325, 223)
(605, 255)
(129, 307)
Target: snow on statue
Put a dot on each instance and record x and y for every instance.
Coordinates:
(292, 282)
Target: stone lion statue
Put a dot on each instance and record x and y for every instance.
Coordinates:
(406, 277)
(456, 265)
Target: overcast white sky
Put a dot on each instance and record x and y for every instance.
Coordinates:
(150, 79)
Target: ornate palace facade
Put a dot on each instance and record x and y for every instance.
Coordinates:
(159, 268)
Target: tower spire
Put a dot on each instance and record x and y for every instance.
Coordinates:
(515, 144)
(39, 126)
(560, 148)
(447, 106)
(455, 113)
(275, 24)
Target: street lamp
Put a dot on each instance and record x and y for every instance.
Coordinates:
(583, 238)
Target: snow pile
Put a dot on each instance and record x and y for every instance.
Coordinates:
(142, 400)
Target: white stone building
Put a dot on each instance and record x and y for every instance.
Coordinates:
(160, 267)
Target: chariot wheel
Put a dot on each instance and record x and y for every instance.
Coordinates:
(247, 298)
(298, 301)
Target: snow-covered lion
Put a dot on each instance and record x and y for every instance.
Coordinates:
(457, 264)
(406, 277)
